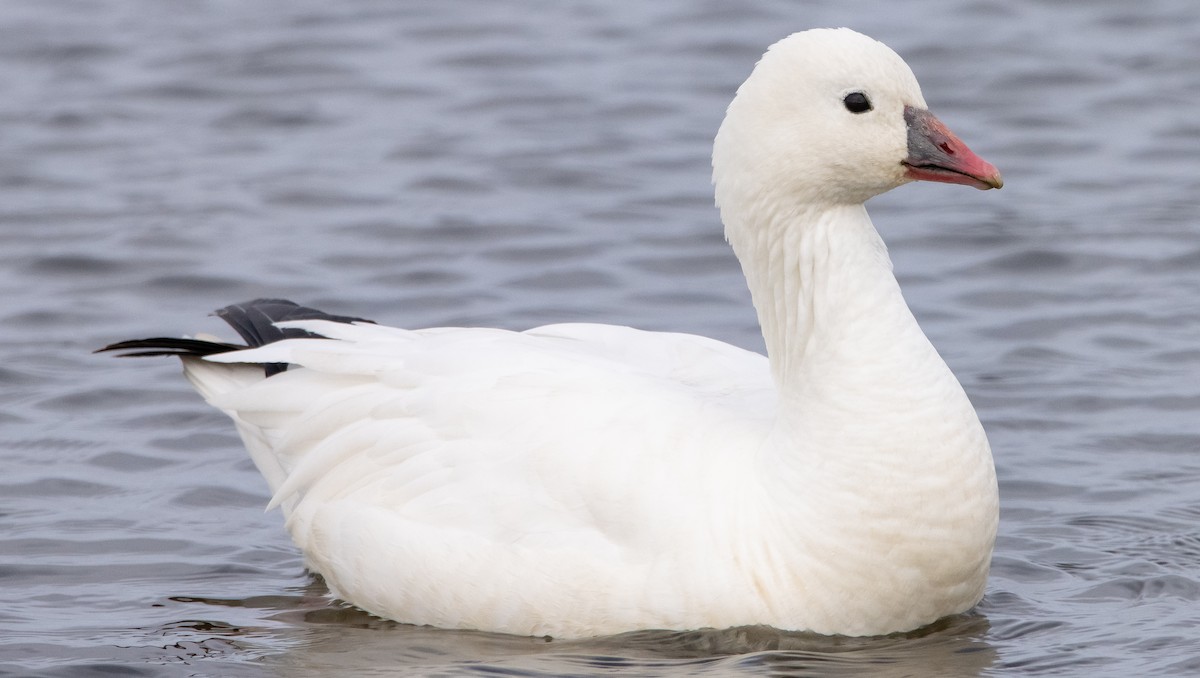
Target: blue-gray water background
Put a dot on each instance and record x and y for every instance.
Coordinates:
(514, 163)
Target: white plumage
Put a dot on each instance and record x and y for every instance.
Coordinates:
(577, 480)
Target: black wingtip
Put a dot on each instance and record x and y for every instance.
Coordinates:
(253, 320)
(169, 346)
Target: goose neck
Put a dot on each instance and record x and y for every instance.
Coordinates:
(826, 297)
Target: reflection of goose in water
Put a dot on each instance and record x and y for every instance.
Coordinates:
(323, 638)
(579, 480)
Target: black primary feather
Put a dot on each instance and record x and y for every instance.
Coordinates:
(254, 321)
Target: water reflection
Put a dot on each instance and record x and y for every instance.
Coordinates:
(319, 635)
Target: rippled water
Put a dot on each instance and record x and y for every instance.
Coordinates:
(516, 163)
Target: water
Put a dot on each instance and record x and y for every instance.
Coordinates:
(517, 163)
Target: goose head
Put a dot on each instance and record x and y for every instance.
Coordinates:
(833, 117)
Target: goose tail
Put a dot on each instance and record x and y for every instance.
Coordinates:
(255, 322)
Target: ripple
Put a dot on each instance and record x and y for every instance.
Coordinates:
(575, 279)
(470, 163)
(72, 263)
(270, 118)
(56, 487)
(1132, 588)
(217, 285)
(216, 495)
(126, 461)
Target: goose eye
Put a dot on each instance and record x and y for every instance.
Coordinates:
(857, 102)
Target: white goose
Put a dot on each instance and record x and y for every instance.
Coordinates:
(579, 480)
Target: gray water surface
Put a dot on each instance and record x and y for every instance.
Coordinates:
(511, 164)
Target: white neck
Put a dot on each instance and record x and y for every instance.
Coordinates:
(826, 298)
(858, 381)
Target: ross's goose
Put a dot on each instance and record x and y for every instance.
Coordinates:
(578, 480)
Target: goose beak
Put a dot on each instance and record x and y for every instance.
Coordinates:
(935, 154)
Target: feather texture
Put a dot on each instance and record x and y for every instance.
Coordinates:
(580, 479)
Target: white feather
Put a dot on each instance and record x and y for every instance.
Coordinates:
(576, 480)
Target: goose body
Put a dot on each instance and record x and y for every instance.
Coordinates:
(579, 480)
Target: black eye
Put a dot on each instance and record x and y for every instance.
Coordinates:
(857, 102)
